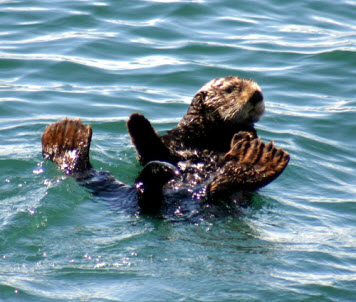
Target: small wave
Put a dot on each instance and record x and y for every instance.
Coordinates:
(89, 35)
(144, 62)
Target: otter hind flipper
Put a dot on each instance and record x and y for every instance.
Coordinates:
(250, 164)
(148, 143)
(67, 144)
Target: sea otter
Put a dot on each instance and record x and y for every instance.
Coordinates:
(217, 129)
(213, 152)
(220, 109)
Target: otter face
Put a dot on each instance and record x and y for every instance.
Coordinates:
(232, 99)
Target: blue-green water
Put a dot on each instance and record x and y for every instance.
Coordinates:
(101, 61)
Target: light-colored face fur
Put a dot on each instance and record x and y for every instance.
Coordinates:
(233, 99)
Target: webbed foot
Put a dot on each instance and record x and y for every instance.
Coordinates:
(67, 144)
(250, 164)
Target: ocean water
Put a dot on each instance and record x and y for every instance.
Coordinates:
(102, 61)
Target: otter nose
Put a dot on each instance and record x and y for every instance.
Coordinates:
(256, 98)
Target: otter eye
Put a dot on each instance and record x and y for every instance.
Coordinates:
(229, 89)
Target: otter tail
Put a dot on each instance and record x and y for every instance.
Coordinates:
(250, 164)
(67, 144)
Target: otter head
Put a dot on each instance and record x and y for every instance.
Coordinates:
(230, 100)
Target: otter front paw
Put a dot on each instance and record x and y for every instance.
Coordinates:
(148, 143)
(150, 182)
(67, 144)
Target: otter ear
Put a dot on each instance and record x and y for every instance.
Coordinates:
(199, 97)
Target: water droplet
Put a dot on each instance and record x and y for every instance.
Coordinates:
(38, 171)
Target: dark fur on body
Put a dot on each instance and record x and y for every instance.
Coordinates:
(210, 142)
(212, 153)
(219, 109)
(67, 144)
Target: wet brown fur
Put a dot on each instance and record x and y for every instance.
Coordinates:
(215, 141)
(67, 144)
(218, 131)
(249, 165)
(205, 126)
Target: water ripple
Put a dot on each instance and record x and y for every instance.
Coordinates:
(145, 62)
(102, 61)
(63, 36)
